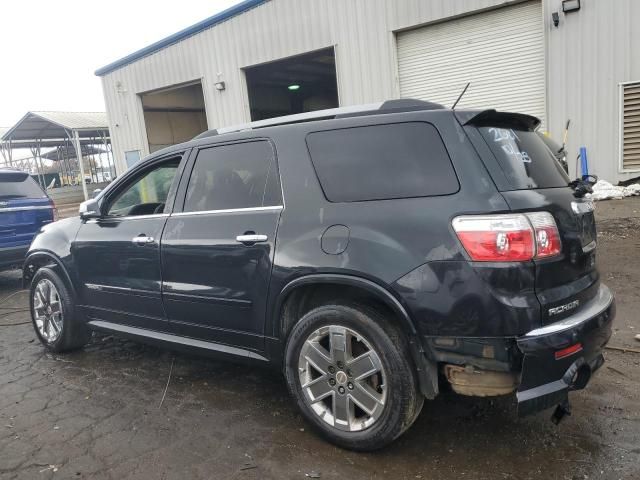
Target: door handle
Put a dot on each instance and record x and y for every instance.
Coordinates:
(142, 240)
(251, 238)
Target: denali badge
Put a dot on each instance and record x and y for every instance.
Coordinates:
(580, 208)
(563, 308)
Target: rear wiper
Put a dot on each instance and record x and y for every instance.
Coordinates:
(582, 186)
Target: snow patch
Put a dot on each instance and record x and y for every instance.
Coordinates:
(603, 190)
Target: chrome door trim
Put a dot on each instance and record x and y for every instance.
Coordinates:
(229, 210)
(128, 217)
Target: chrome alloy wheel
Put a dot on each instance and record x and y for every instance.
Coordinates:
(47, 310)
(342, 378)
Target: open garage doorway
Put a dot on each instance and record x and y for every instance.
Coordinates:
(173, 115)
(293, 85)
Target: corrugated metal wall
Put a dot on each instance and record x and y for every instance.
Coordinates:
(360, 30)
(590, 53)
(586, 58)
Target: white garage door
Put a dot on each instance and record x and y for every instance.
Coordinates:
(500, 52)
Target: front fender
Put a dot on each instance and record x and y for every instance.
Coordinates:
(52, 246)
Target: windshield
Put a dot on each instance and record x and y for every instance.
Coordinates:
(24, 188)
(524, 158)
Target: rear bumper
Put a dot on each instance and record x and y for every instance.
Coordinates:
(546, 380)
(13, 256)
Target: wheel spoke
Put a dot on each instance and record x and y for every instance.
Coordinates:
(55, 307)
(342, 412)
(56, 325)
(364, 365)
(317, 356)
(366, 398)
(46, 328)
(39, 310)
(318, 389)
(40, 294)
(53, 294)
(338, 342)
(46, 291)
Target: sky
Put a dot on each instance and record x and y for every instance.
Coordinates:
(49, 50)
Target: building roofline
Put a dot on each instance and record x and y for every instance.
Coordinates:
(181, 35)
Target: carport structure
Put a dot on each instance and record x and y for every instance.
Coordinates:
(73, 135)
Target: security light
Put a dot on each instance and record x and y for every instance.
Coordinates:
(294, 87)
(570, 6)
(220, 86)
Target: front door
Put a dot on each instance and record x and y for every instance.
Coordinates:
(217, 252)
(118, 254)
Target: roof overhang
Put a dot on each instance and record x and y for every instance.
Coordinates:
(69, 151)
(54, 127)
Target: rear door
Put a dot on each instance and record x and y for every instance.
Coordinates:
(217, 253)
(24, 209)
(531, 179)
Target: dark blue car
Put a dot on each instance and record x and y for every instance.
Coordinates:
(24, 209)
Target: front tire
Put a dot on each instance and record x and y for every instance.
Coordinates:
(53, 313)
(348, 370)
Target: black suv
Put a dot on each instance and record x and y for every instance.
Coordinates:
(368, 252)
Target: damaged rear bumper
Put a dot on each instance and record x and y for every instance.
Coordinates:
(562, 356)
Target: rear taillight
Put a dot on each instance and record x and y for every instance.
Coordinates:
(54, 210)
(508, 237)
(547, 236)
(496, 238)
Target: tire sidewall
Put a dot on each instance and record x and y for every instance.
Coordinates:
(399, 376)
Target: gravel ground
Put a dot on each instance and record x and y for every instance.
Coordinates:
(97, 414)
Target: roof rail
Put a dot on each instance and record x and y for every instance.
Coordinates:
(390, 106)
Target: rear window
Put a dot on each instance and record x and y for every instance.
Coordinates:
(380, 162)
(524, 158)
(16, 187)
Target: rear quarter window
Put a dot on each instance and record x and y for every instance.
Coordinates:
(380, 162)
(524, 158)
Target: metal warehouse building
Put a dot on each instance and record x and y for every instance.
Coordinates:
(559, 60)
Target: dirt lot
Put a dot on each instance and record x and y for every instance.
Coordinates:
(97, 414)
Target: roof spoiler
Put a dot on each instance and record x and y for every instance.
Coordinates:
(493, 118)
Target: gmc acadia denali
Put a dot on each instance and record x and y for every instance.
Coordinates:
(371, 253)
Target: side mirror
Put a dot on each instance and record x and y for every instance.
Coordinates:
(96, 192)
(89, 209)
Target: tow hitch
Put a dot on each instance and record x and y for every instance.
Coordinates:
(560, 412)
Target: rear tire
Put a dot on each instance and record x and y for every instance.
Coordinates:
(53, 314)
(327, 382)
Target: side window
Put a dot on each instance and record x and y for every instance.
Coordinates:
(240, 175)
(378, 162)
(148, 194)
